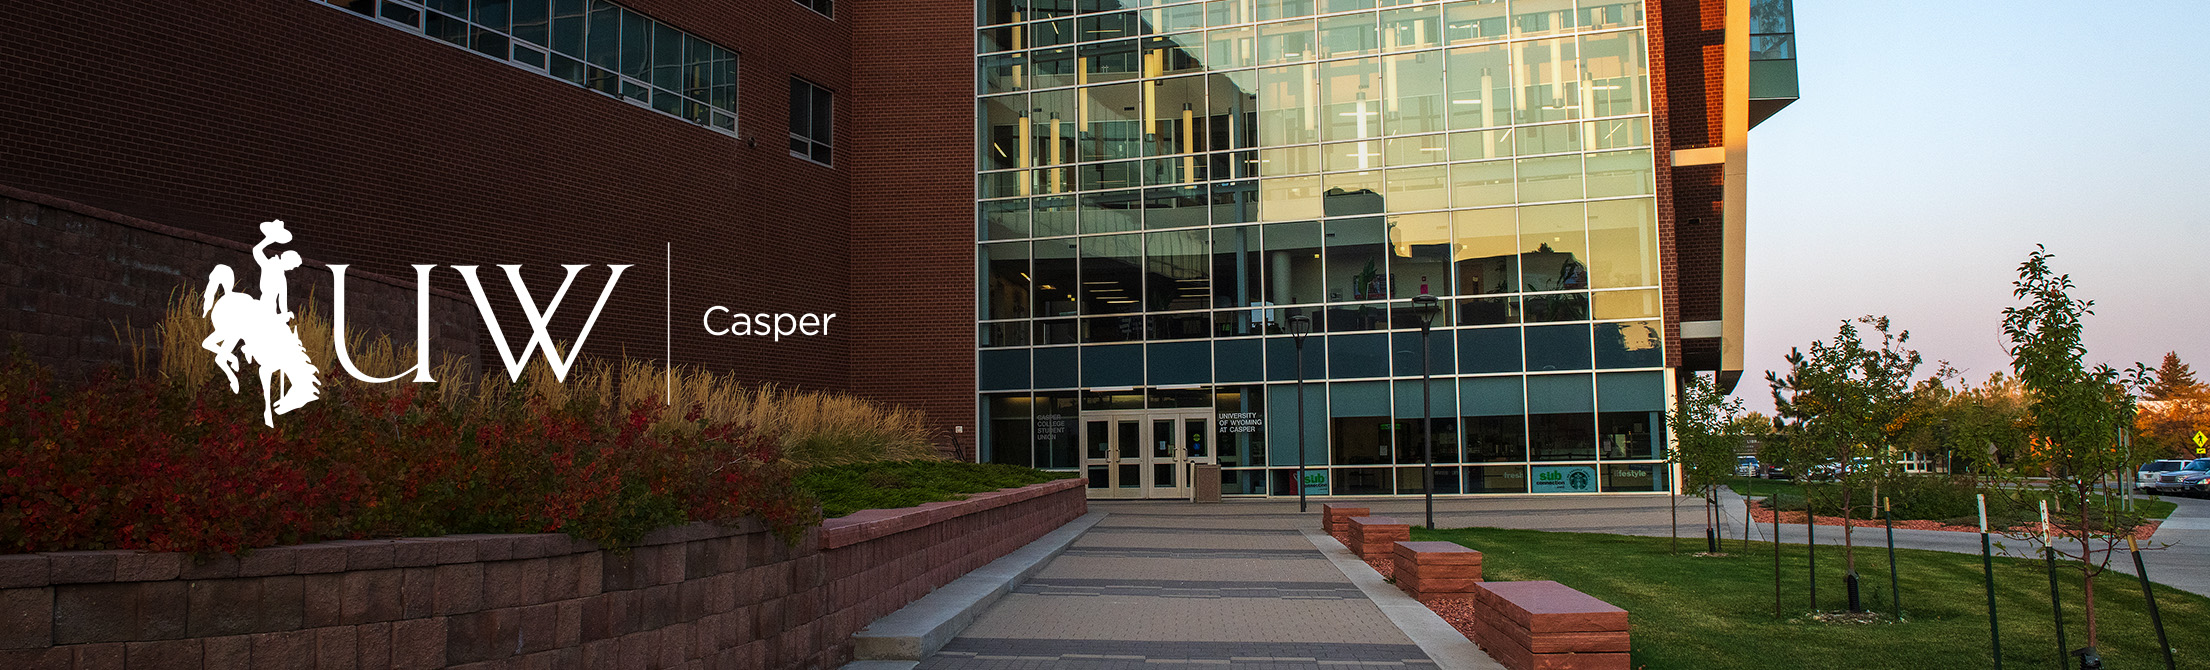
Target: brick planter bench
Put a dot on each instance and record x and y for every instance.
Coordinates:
(1430, 570)
(1336, 520)
(1376, 535)
(1548, 626)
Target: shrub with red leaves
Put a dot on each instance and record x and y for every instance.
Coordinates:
(118, 463)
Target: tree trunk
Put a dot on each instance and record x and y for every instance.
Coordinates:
(1849, 550)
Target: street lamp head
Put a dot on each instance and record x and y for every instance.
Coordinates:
(1300, 325)
(1426, 306)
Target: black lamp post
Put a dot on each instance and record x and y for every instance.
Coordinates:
(1299, 327)
(1426, 306)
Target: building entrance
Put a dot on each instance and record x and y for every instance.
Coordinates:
(1145, 453)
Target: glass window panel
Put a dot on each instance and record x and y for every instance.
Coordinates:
(1418, 188)
(989, 185)
(1413, 28)
(1235, 202)
(1333, 6)
(1112, 212)
(1111, 126)
(1630, 344)
(1349, 35)
(1415, 150)
(1290, 198)
(1004, 73)
(1175, 207)
(489, 43)
(1289, 161)
(1096, 176)
(1619, 133)
(1557, 307)
(1419, 246)
(1233, 110)
(1552, 178)
(822, 129)
(567, 68)
(1344, 156)
(1283, 9)
(1055, 331)
(1179, 17)
(1238, 266)
(1286, 42)
(1054, 216)
(1620, 173)
(1110, 61)
(603, 40)
(1054, 68)
(1003, 334)
(1112, 274)
(1055, 279)
(1480, 81)
(1054, 33)
(992, 40)
(1003, 219)
(1350, 98)
(993, 12)
(1174, 111)
(1106, 26)
(1352, 318)
(1604, 14)
(1560, 347)
(1179, 272)
(636, 45)
(1483, 350)
(1548, 76)
(1481, 144)
(1414, 86)
(1479, 184)
(1125, 328)
(1617, 76)
(532, 21)
(1231, 48)
(1554, 244)
(1353, 193)
(667, 57)
(402, 14)
(1182, 170)
(1053, 132)
(1004, 128)
(1487, 251)
(1293, 263)
(1550, 139)
(1005, 282)
(1474, 21)
(1361, 355)
(1007, 418)
(1229, 12)
(491, 14)
(1174, 54)
(1625, 304)
(1356, 257)
(1623, 243)
(1488, 311)
(1532, 18)
(530, 56)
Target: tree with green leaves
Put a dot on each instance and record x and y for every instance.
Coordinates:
(1707, 431)
(2074, 414)
(2173, 380)
(1842, 403)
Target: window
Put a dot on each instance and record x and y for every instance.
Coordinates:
(822, 6)
(590, 43)
(811, 107)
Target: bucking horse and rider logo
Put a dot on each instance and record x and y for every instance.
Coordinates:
(262, 327)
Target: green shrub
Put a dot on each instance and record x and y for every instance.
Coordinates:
(844, 489)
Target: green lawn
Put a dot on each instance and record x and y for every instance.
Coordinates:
(2152, 507)
(1717, 612)
(844, 489)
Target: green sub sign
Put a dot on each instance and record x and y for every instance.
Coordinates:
(1564, 479)
(1316, 482)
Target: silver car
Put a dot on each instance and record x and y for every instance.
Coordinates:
(2144, 480)
(2190, 479)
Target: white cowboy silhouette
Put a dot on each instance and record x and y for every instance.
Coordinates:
(262, 325)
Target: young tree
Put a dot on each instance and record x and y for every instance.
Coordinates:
(2074, 414)
(1707, 430)
(1844, 402)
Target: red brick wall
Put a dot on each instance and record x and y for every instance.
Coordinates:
(383, 148)
(733, 596)
(1687, 70)
(913, 212)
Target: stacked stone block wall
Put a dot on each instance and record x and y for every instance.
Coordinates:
(696, 596)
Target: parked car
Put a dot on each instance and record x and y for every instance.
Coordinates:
(2144, 480)
(1745, 466)
(2191, 479)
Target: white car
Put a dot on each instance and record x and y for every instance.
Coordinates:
(2144, 480)
(2191, 479)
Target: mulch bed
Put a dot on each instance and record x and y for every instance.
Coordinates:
(1764, 515)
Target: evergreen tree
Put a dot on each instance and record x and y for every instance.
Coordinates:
(2173, 380)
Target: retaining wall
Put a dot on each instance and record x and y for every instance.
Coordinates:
(696, 596)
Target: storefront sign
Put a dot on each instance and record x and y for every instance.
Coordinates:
(1316, 482)
(1564, 479)
(1240, 422)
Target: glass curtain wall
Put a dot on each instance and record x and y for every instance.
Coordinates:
(1161, 185)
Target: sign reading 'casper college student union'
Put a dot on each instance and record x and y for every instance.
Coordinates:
(1564, 479)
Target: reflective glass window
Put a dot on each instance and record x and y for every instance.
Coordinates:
(1293, 263)
(1413, 84)
(1179, 272)
(1487, 251)
(1418, 188)
(1548, 77)
(1554, 247)
(1238, 267)
(1420, 254)
(1474, 21)
(1480, 79)
(1623, 243)
(1349, 35)
(1005, 285)
(1356, 268)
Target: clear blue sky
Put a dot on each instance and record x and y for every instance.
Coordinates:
(1937, 142)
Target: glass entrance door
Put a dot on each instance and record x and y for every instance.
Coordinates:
(1144, 453)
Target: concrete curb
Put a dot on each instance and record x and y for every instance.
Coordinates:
(1437, 638)
(924, 626)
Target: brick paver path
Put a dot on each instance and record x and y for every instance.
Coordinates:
(1231, 590)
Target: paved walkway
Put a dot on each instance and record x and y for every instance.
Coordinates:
(1172, 583)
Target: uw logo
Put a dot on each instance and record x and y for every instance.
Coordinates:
(261, 326)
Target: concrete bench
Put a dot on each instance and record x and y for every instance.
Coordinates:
(1336, 519)
(1372, 536)
(1548, 626)
(1431, 570)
